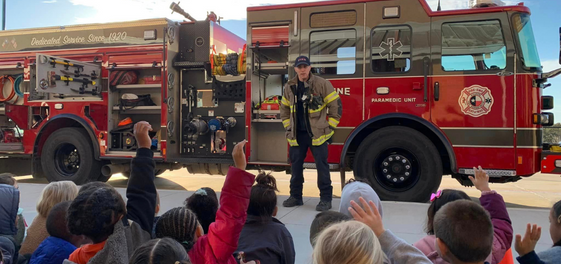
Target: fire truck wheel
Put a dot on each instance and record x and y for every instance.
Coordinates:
(401, 164)
(67, 155)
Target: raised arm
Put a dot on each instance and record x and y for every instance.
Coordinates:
(141, 190)
(224, 233)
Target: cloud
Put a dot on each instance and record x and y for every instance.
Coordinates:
(550, 65)
(448, 4)
(126, 10)
(49, 1)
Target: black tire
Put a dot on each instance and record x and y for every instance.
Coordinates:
(401, 164)
(157, 173)
(68, 155)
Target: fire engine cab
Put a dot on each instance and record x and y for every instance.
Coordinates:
(425, 93)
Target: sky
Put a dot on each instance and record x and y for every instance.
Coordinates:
(44, 13)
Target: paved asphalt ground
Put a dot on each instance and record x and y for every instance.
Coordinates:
(528, 200)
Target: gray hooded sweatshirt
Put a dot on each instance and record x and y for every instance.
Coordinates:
(396, 250)
(355, 190)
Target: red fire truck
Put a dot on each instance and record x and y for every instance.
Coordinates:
(425, 93)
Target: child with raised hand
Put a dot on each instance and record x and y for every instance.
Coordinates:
(221, 241)
(99, 212)
(490, 200)
(395, 248)
(263, 237)
(525, 246)
(204, 204)
(160, 251)
(355, 188)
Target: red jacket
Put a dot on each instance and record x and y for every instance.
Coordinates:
(221, 241)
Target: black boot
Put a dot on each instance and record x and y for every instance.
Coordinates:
(323, 206)
(291, 202)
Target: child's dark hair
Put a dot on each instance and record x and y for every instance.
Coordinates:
(204, 204)
(7, 178)
(263, 199)
(180, 224)
(323, 220)
(160, 251)
(95, 211)
(57, 224)
(466, 229)
(446, 197)
(93, 186)
(557, 217)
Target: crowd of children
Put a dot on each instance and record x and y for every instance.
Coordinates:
(94, 224)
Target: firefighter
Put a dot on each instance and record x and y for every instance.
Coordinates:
(310, 112)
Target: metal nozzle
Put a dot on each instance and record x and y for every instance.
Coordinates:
(176, 8)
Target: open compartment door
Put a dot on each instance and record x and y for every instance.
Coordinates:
(67, 78)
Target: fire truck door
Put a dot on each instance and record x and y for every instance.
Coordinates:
(472, 89)
(333, 38)
(396, 54)
(67, 78)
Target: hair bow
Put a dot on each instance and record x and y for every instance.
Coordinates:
(201, 191)
(435, 195)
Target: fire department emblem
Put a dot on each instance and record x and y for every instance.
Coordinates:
(476, 101)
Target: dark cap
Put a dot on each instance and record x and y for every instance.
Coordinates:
(302, 60)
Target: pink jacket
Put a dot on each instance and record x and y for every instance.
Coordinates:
(502, 226)
(221, 241)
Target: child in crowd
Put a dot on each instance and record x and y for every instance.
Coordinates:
(61, 243)
(160, 251)
(464, 232)
(204, 204)
(349, 242)
(525, 246)
(9, 204)
(324, 220)
(7, 250)
(9, 179)
(52, 194)
(100, 214)
(396, 250)
(354, 189)
(221, 241)
(263, 237)
(490, 200)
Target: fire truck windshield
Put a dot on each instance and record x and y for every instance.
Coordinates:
(529, 51)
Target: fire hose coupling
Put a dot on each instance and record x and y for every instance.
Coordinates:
(197, 127)
(220, 123)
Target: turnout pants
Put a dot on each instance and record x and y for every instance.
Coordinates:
(297, 156)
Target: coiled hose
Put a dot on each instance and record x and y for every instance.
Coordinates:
(17, 84)
(12, 94)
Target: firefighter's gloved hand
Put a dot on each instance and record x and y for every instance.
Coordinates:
(316, 102)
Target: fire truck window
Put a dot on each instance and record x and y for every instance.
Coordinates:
(391, 49)
(525, 34)
(333, 52)
(469, 46)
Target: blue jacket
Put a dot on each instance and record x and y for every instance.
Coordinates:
(53, 250)
(9, 204)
